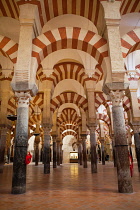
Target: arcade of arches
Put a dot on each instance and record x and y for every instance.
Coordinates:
(70, 72)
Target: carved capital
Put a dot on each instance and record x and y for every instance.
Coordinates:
(54, 137)
(132, 75)
(92, 128)
(83, 137)
(23, 98)
(47, 127)
(136, 128)
(117, 97)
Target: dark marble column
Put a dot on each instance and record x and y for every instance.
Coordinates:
(84, 136)
(81, 154)
(3, 131)
(54, 152)
(102, 151)
(36, 147)
(93, 149)
(61, 153)
(78, 152)
(123, 170)
(137, 144)
(46, 151)
(21, 143)
(58, 153)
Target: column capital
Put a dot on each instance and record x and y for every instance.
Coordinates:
(136, 128)
(54, 137)
(23, 98)
(114, 86)
(83, 136)
(46, 127)
(117, 97)
(92, 126)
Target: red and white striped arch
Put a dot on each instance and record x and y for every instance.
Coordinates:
(126, 103)
(38, 100)
(100, 98)
(90, 9)
(9, 47)
(9, 9)
(129, 6)
(69, 116)
(67, 127)
(70, 38)
(69, 97)
(70, 70)
(130, 42)
(69, 133)
(103, 117)
(12, 106)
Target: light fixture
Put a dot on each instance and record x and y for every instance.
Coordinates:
(12, 117)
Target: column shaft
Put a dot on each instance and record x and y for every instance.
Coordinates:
(103, 153)
(46, 152)
(123, 171)
(137, 148)
(84, 154)
(58, 153)
(61, 154)
(80, 153)
(2, 148)
(93, 151)
(36, 154)
(21, 142)
(54, 155)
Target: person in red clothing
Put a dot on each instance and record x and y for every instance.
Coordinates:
(131, 164)
(28, 158)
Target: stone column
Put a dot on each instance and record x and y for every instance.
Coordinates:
(93, 148)
(21, 143)
(36, 147)
(123, 170)
(61, 153)
(36, 143)
(80, 151)
(84, 136)
(3, 131)
(58, 153)
(103, 151)
(137, 143)
(46, 151)
(54, 151)
(114, 151)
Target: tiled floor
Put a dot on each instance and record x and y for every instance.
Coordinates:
(69, 187)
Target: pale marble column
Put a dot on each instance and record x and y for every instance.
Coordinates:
(137, 143)
(114, 151)
(46, 151)
(84, 136)
(93, 149)
(123, 170)
(21, 143)
(3, 132)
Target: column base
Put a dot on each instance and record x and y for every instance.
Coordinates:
(46, 169)
(1, 168)
(93, 169)
(18, 190)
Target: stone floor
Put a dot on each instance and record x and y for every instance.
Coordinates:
(69, 187)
